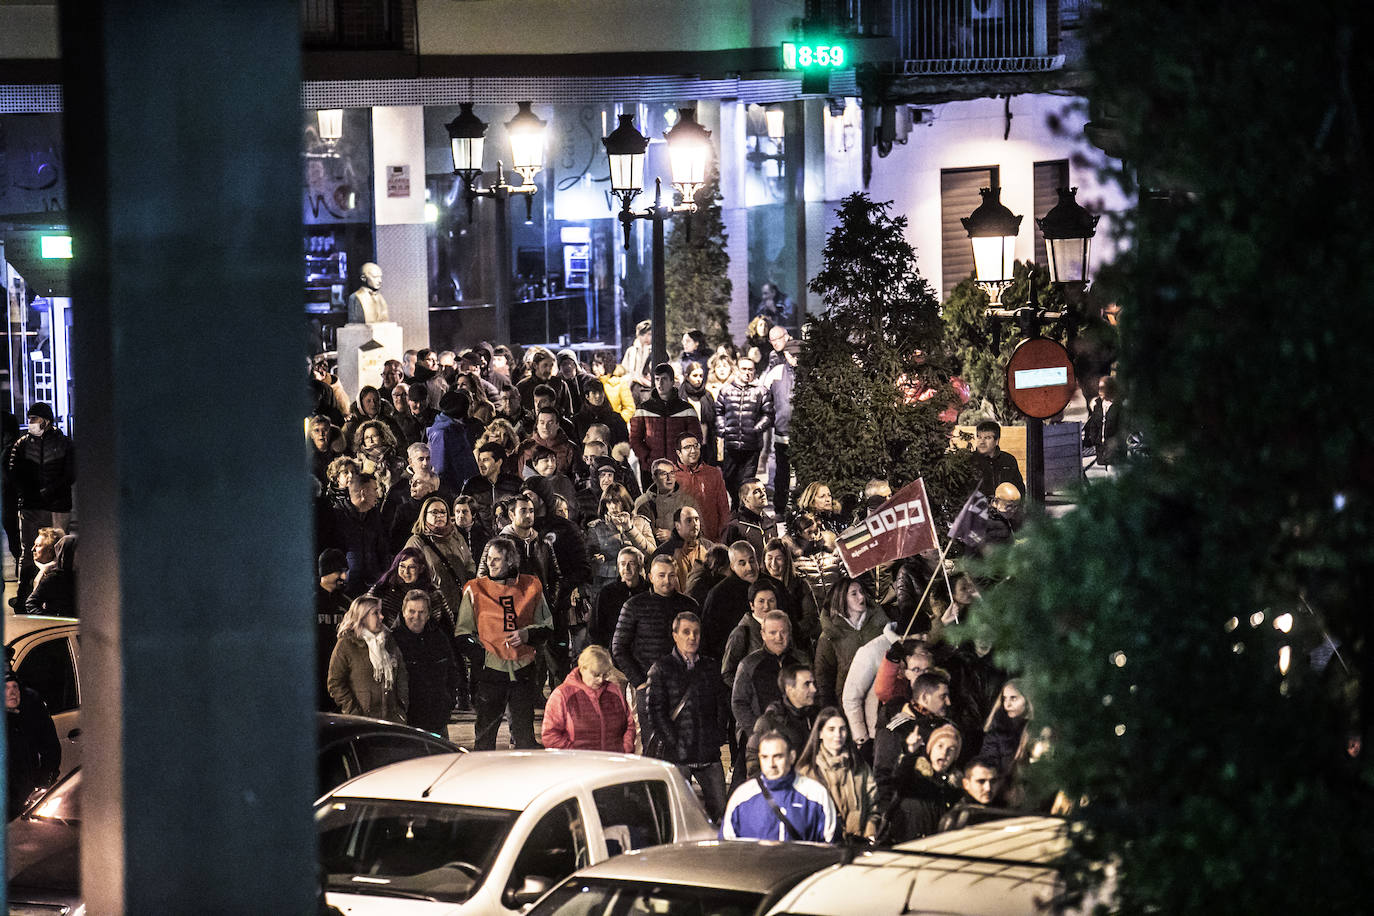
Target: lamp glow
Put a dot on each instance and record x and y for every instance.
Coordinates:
(331, 124)
(992, 228)
(526, 131)
(776, 125)
(689, 152)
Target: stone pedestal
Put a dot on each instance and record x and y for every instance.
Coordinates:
(363, 349)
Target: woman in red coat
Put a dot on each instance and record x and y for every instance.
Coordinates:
(588, 710)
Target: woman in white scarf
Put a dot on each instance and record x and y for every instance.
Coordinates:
(366, 676)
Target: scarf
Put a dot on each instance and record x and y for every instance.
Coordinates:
(693, 392)
(383, 664)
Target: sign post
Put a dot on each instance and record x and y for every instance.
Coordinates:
(1040, 382)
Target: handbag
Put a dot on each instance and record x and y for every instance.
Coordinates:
(657, 745)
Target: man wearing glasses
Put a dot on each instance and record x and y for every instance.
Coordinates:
(704, 484)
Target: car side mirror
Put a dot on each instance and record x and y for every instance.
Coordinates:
(531, 890)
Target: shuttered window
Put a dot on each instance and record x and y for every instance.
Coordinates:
(958, 198)
(1049, 176)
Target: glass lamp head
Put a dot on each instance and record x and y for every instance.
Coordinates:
(992, 228)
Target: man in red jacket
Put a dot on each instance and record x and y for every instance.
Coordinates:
(659, 421)
(704, 484)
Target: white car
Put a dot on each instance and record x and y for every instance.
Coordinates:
(47, 658)
(998, 868)
(489, 832)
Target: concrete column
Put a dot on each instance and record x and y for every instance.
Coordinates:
(733, 121)
(183, 136)
(398, 141)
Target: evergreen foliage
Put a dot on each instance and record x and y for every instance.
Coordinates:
(983, 346)
(1216, 783)
(854, 411)
(696, 269)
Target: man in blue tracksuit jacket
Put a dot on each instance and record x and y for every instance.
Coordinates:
(800, 808)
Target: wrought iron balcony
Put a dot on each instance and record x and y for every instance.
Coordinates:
(358, 25)
(977, 36)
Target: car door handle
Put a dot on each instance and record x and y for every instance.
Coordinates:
(74, 734)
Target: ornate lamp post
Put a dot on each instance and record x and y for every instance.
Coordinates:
(1068, 229)
(467, 136)
(689, 154)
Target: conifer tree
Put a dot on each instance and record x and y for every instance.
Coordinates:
(696, 270)
(856, 410)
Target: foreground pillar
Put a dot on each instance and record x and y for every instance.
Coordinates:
(183, 124)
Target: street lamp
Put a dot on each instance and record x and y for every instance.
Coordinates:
(689, 155)
(1068, 230)
(467, 136)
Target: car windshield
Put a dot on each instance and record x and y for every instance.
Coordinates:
(582, 897)
(409, 849)
(62, 802)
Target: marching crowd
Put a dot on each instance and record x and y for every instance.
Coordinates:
(621, 544)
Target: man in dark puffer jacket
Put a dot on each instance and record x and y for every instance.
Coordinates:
(744, 412)
(693, 737)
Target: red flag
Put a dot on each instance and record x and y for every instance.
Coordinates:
(901, 527)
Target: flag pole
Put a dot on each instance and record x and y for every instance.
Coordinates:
(939, 567)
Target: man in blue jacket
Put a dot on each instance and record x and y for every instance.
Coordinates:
(450, 449)
(778, 804)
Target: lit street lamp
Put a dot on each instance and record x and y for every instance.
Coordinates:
(467, 136)
(689, 155)
(1068, 230)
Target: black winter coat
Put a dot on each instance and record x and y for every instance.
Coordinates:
(743, 413)
(42, 470)
(33, 754)
(644, 632)
(697, 733)
(606, 610)
(756, 685)
(432, 674)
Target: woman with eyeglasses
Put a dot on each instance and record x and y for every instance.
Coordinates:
(410, 571)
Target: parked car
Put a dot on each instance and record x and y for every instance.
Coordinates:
(710, 877)
(47, 658)
(490, 832)
(43, 845)
(997, 868)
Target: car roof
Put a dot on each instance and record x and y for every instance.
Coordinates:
(743, 865)
(998, 867)
(333, 726)
(498, 779)
(18, 626)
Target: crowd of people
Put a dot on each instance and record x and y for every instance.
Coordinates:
(622, 545)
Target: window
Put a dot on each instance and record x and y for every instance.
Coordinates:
(958, 198)
(379, 750)
(48, 669)
(634, 815)
(1049, 177)
(557, 847)
(595, 897)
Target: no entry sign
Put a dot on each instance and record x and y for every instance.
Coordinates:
(1040, 378)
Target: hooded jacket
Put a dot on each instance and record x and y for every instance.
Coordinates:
(588, 718)
(450, 452)
(835, 651)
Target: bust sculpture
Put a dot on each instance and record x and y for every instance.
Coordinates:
(366, 305)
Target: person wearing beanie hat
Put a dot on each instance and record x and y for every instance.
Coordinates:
(41, 467)
(450, 449)
(331, 603)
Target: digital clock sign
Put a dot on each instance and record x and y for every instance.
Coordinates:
(814, 56)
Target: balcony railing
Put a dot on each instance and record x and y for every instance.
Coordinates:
(977, 36)
(358, 25)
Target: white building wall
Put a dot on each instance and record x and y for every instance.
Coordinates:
(601, 26)
(971, 133)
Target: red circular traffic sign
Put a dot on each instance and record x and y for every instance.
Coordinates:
(1040, 378)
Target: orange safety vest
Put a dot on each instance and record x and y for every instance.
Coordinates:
(501, 608)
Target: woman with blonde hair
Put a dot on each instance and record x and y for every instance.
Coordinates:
(502, 433)
(588, 711)
(374, 445)
(1007, 738)
(366, 674)
(817, 500)
(831, 759)
(720, 368)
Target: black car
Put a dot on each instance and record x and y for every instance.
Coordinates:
(720, 877)
(43, 844)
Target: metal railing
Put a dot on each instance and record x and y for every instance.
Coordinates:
(977, 36)
(357, 25)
